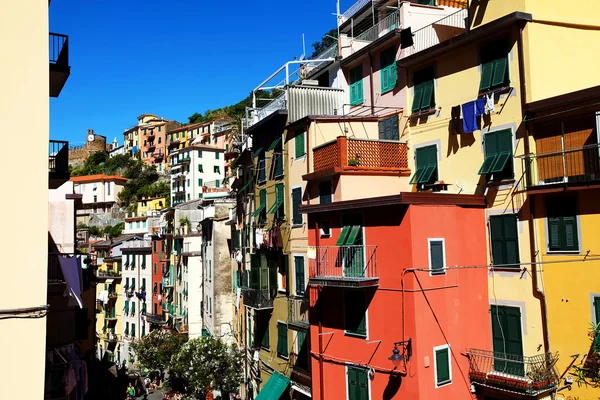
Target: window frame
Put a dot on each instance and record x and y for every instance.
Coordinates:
(576, 221)
(422, 81)
(435, 369)
(355, 79)
(501, 218)
(390, 69)
(356, 367)
(364, 336)
(489, 167)
(421, 170)
(304, 285)
(442, 271)
(287, 350)
(302, 134)
(490, 61)
(295, 223)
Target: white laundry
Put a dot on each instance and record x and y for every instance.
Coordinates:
(259, 237)
(489, 102)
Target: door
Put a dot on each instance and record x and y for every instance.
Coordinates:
(353, 251)
(507, 340)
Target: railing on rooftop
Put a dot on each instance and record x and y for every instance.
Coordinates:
(58, 157)
(439, 31)
(568, 166)
(361, 154)
(527, 375)
(344, 263)
(384, 26)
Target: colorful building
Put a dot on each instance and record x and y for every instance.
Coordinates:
(99, 193)
(149, 138)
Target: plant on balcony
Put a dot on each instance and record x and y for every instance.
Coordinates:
(352, 162)
(185, 222)
(587, 372)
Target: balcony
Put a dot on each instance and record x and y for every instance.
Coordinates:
(563, 167)
(257, 299)
(159, 155)
(110, 316)
(155, 319)
(378, 30)
(151, 146)
(174, 143)
(59, 62)
(110, 274)
(151, 134)
(112, 337)
(529, 376)
(58, 162)
(190, 251)
(344, 266)
(441, 30)
(298, 313)
(137, 245)
(347, 155)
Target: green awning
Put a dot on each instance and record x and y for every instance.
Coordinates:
(274, 387)
(257, 152)
(274, 144)
(246, 185)
(258, 210)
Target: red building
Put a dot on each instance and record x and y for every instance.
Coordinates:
(159, 265)
(385, 274)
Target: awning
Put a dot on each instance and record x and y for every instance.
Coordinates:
(302, 389)
(274, 387)
(246, 185)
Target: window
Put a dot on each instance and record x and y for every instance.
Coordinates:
(299, 269)
(507, 338)
(505, 241)
(282, 340)
(325, 229)
(126, 328)
(137, 224)
(160, 128)
(188, 183)
(133, 279)
(200, 168)
(277, 207)
(277, 164)
(95, 198)
(299, 145)
(261, 166)
(296, 201)
(199, 153)
(199, 181)
(159, 140)
(356, 85)
(143, 330)
(426, 163)
(188, 196)
(494, 66)
(302, 346)
(216, 155)
(133, 308)
(358, 386)
(154, 268)
(260, 211)
(388, 71)
(498, 155)
(133, 329)
(325, 192)
(561, 213)
(355, 313)
(154, 246)
(108, 188)
(424, 98)
(437, 256)
(443, 369)
(265, 342)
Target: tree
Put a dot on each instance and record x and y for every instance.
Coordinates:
(156, 350)
(327, 40)
(207, 363)
(114, 231)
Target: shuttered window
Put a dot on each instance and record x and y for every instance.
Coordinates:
(296, 201)
(299, 269)
(436, 256)
(262, 202)
(356, 86)
(498, 159)
(424, 97)
(388, 128)
(507, 339)
(325, 192)
(505, 240)
(494, 66)
(358, 387)
(299, 145)
(442, 366)
(277, 207)
(426, 163)
(282, 341)
(562, 223)
(388, 71)
(265, 342)
(277, 148)
(355, 313)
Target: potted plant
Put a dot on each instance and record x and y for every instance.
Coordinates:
(352, 162)
(186, 224)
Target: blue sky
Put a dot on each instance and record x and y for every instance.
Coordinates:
(172, 57)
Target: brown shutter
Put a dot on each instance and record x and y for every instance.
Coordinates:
(548, 142)
(579, 132)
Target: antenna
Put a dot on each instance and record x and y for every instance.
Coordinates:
(303, 49)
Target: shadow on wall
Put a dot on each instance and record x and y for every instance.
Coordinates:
(392, 387)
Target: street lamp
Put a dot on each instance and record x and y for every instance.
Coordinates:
(396, 357)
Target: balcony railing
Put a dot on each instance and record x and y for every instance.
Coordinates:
(527, 375)
(439, 31)
(361, 155)
(345, 266)
(59, 62)
(112, 337)
(384, 26)
(258, 299)
(110, 274)
(569, 166)
(137, 244)
(298, 312)
(58, 158)
(156, 319)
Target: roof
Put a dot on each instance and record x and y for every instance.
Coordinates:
(97, 178)
(404, 198)
(333, 118)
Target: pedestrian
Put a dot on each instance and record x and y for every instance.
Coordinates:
(130, 391)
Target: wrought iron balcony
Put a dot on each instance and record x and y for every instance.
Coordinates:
(298, 313)
(58, 159)
(344, 266)
(110, 274)
(257, 299)
(59, 62)
(360, 155)
(570, 166)
(155, 319)
(530, 376)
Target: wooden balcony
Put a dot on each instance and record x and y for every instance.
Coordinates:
(344, 266)
(359, 156)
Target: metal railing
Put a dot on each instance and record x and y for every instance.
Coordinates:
(255, 298)
(344, 262)
(108, 274)
(59, 48)
(298, 310)
(432, 34)
(513, 372)
(137, 244)
(58, 156)
(576, 165)
(384, 26)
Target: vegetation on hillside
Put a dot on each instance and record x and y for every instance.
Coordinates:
(108, 230)
(327, 40)
(100, 163)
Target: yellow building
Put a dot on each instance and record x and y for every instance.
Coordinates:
(148, 206)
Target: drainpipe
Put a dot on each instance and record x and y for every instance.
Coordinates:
(537, 293)
(371, 84)
(308, 152)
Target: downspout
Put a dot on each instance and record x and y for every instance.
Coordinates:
(319, 290)
(372, 89)
(537, 293)
(308, 152)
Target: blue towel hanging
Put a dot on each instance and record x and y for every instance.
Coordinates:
(480, 106)
(469, 119)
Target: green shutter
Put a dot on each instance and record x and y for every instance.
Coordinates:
(442, 365)
(299, 145)
(497, 240)
(299, 269)
(597, 309)
(418, 174)
(265, 342)
(488, 162)
(282, 345)
(428, 101)
(133, 307)
(296, 201)
(511, 240)
(355, 313)
(562, 224)
(436, 253)
(217, 155)
(487, 70)
(500, 68)
(417, 98)
(272, 279)
(507, 339)
(354, 236)
(427, 160)
(343, 236)
(358, 387)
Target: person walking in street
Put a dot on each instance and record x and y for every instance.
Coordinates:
(130, 391)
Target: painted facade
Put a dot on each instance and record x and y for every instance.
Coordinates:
(99, 193)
